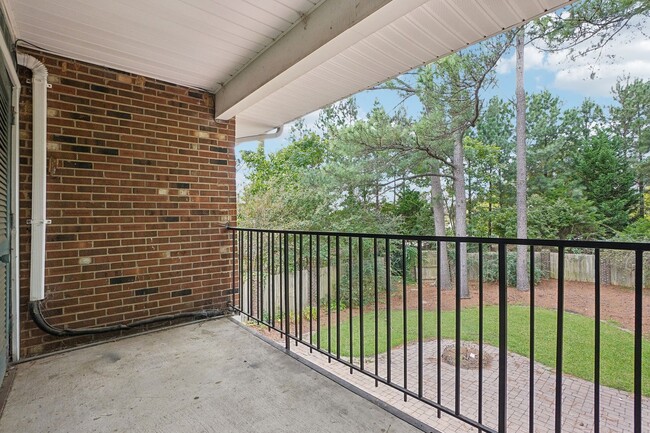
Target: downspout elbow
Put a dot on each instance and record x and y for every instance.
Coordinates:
(39, 71)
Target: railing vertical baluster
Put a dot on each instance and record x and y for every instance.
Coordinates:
(350, 308)
(420, 330)
(256, 271)
(256, 276)
(281, 280)
(388, 322)
(361, 351)
(260, 267)
(459, 279)
(301, 270)
(559, 343)
(638, 339)
(234, 269)
(597, 341)
(438, 328)
(272, 275)
(295, 288)
(311, 289)
(254, 252)
(269, 277)
(376, 311)
(318, 291)
(480, 334)
(503, 339)
(531, 344)
(338, 297)
(287, 329)
(250, 274)
(329, 299)
(241, 270)
(404, 318)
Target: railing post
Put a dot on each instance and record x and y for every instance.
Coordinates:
(559, 350)
(503, 339)
(287, 328)
(234, 264)
(638, 340)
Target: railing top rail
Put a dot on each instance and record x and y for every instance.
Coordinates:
(605, 245)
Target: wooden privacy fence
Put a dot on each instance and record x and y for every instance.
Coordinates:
(617, 267)
(270, 288)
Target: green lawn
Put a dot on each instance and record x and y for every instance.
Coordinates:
(617, 345)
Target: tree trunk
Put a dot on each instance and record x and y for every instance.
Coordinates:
(490, 209)
(439, 227)
(642, 199)
(461, 210)
(641, 186)
(522, 217)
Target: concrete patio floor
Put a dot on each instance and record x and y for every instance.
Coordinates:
(212, 376)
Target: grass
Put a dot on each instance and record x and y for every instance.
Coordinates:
(617, 345)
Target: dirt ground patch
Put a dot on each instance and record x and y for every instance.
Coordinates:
(617, 303)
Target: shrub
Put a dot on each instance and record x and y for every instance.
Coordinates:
(491, 268)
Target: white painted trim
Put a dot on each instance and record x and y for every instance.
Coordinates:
(15, 238)
(14, 186)
(329, 29)
(266, 136)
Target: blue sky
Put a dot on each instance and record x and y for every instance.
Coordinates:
(572, 80)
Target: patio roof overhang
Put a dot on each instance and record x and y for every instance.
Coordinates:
(268, 61)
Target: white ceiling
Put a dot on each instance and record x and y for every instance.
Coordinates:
(425, 34)
(199, 43)
(205, 43)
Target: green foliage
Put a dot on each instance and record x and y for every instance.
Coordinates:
(563, 215)
(588, 26)
(353, 296)
(544, 148)
(588, 166)
(631, 122)
(285, 165)
(607, 179)
(491, 268)
(413, 211)
(639, 230)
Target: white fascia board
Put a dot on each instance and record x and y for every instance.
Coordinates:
(329, 29)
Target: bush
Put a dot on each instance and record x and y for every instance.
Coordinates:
(491, 268)
(368, 282)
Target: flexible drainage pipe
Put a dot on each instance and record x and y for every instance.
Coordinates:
(38, 220)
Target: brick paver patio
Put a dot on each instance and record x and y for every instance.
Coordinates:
(577, 403)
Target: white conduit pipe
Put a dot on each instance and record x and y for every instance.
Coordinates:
(39, 154)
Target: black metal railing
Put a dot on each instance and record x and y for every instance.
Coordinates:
(362, 300)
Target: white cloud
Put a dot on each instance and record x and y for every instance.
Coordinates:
(595, 73)
(533, 58)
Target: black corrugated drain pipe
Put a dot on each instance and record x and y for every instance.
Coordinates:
(41, 322)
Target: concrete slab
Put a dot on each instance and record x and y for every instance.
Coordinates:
(208, 377)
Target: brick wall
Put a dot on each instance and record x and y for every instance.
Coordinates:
(140, 180)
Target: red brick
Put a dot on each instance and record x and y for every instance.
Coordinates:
(128, 142)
